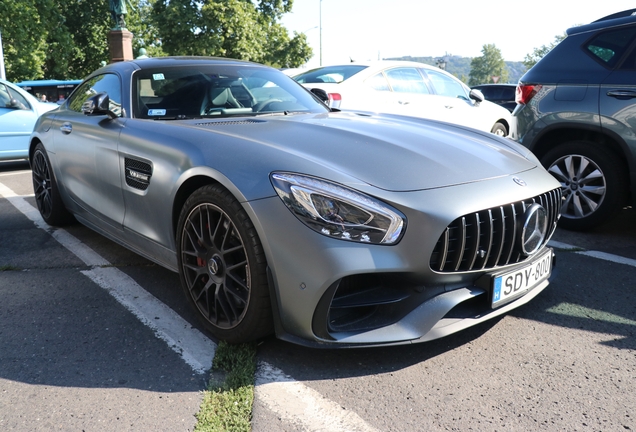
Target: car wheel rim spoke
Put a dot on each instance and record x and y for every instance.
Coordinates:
(215, 266)
(583, 185)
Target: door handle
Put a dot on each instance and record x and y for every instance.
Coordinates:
(622, 94)
(403, 102)
(66, 128)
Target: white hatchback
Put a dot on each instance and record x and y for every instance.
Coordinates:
(408, 88)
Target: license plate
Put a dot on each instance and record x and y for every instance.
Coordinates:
(513, 284)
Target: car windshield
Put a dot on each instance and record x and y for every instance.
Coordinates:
(329, 74)
(217, 90)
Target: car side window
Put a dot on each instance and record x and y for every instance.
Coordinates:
(407, 80)
(378, 82)
(608, 47)
(7, 95)
(446, 86)
(108, 83)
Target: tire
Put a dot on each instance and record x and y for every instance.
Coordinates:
(499, 129)
(593, 181)
(222, 266)
(47, 195)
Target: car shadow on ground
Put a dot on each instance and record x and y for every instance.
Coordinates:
(14, 165)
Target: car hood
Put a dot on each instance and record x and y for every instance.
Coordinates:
(389, 152)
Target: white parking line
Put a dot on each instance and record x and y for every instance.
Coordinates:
(303, 407)
(196, 349)
(594, 254)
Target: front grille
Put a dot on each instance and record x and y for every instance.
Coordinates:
(489, 238)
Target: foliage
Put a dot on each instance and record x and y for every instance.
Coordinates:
(239, 29)
(538, 53)
(490, 64)
(68, 39)
(24, 54)
(227, 405)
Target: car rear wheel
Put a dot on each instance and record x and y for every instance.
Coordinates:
(47, 195)
(222, 266)
(593, 181)
(499, 129)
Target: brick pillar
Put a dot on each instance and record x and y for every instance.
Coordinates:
(120, 45)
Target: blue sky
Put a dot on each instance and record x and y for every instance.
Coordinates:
(372, 29)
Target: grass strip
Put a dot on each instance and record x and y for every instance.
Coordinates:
(227, 404)
(8, 268)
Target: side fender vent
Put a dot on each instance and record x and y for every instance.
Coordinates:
(138, 173)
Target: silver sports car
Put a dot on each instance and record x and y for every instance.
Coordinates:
(280, 215)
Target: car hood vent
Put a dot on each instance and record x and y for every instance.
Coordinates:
(229, 122)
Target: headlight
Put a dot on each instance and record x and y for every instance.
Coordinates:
(337, 211)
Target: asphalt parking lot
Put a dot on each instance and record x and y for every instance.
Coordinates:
(77, 354)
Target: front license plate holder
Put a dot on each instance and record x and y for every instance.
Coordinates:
(508, 286)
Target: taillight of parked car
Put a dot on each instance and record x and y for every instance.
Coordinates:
(525, 92)
(335, 99)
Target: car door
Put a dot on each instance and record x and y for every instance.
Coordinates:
(17, 118)
(617, 96)
(86, 151)
(411, 95)
(454, 102)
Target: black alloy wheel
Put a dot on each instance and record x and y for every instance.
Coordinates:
(46, 192)
(222, 266)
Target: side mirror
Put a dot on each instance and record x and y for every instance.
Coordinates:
(14, 103)
(98, 104)
(321, 94)
(477, 96)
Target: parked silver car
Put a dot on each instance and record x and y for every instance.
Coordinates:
(281, 215)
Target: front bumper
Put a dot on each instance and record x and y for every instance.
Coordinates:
(338, 293)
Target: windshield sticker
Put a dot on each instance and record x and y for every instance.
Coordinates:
(157, 112)
(158, 77)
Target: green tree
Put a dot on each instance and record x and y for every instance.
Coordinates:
(23, 52)
(490, 64)
(241, 29)
(538, 53)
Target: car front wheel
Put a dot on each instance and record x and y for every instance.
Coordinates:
(593, 181)
(222, 266)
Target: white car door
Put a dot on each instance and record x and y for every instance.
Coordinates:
(457, 106)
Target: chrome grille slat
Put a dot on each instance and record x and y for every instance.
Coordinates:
(444, 252)
(477, 234)
(462, 239)
(501, 230)
(490, 238)
(513, 236)
(487, 239)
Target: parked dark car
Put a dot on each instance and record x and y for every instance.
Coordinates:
(501, 94)
(577, 113)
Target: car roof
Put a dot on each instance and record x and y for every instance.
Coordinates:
(183, 61)
(620, 18)
(381, 64)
